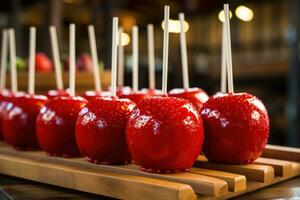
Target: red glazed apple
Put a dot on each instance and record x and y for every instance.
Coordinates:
(42, 63)
(56, 93)
(100, 130)
(55, 126)
(4, 97)
(18, 124)
(135, 96)
(236, 128)
(196, 96)
(164, 134)
(6, 104)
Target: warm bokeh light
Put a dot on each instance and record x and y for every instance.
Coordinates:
(174, 26)
(222, 17)
(244, 13)
(125, 39)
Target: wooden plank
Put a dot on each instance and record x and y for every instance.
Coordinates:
(282, 168)
(235, 182)
(124, 186)
(201, 184)
(283, 153)
(254, 172)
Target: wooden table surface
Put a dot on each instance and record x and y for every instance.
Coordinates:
(19, 189)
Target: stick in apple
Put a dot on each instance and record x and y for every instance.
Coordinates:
(114, 57)
(92, 40)
(228, 49)
(165, 50)
(56, 58)
(184, 61)
(120, 59)
(151, 56)
(72, 60)
(13, 68)
(135, 59)
(31, 64)
(223, 61)
(3, 59)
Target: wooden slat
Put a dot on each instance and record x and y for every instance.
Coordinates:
(201, 184)
(235, 182)
(252, 172)
(283, 153)
(296, 168)
(282, 168)
(105, 183)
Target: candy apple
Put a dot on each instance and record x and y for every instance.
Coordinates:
(236, 128)
(42, 63)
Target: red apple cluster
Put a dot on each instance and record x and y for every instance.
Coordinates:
(118, 130)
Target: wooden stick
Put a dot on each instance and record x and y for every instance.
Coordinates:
(165, 51)
(56, 58)
(151, 56)
(135, 59)
(184, 62)
(223, 61)
(31, 64)
(72, 60)
(120, 59)
(93, 46)
(13, 67)
(4, 49)
(114, 53)
(228, 50)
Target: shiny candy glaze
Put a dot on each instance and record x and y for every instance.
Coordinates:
(196, 96)
(55, 126)
(135, 96)
(121, 90)
(4, 97)
(236, 128)
(6, 102)
(56, 93)
(18, 123)
(152, 91)
(164, 134)
(91, 94)
(100, 130)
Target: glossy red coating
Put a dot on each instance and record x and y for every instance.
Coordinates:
(100, 130)
(164, 134)
(152, 91)
(18, 124)
(7, 99)
(196, 96)
(56, 93)
(135, 96)
(121, 90)
(236, 128)
(4, 97)
(55, 126)
(91, 94)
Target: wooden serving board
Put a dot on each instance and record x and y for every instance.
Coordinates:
(205, 180)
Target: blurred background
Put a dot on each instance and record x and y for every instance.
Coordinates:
(264, 35)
